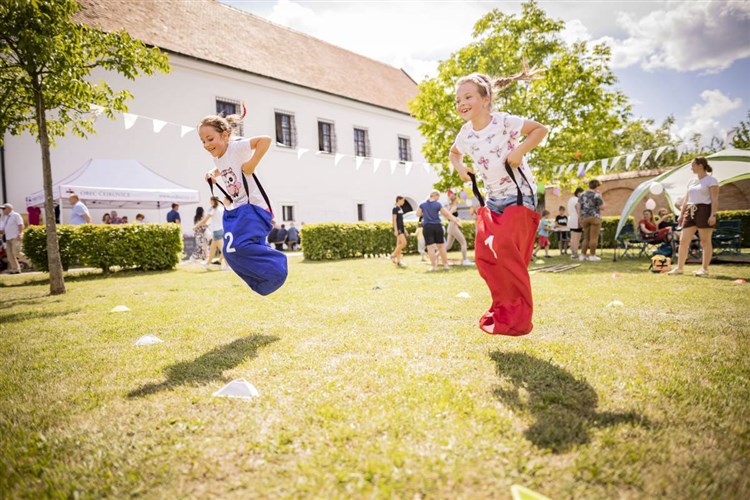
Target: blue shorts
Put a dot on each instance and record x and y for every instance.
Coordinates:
(218, 235)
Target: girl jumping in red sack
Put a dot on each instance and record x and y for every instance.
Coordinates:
(507, 224)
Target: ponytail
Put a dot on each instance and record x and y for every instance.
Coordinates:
(485, 84)
(222, 124)
(703, 162)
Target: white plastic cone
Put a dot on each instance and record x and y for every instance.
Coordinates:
(463, 295)
(238, 388)
(148, 340)
(119, 309)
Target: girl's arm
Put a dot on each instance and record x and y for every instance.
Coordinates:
(457, 161)
(535, 133)
(714, 190)
(202, 222)
(395, 227)
(260, 144)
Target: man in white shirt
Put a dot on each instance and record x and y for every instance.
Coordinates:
(79, 214)
(11, 226)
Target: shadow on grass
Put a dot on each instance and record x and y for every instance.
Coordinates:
(563, 406)
(207, 367)
(29, 315)
(43, 279)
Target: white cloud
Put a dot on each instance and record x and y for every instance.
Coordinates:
(685, 36)
(575, 31)
(410, 35)
(703, 117)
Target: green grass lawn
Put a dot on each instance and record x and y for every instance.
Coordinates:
(376, 382)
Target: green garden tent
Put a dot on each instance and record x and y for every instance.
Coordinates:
(730, 165)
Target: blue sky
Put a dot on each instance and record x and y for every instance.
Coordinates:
(690, 59)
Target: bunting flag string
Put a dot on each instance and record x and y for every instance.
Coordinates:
(609, 164)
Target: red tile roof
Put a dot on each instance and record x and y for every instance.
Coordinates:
(217, 33)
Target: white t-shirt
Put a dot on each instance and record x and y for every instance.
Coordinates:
(215, 223)
(10, 225)
(77, 214)
(698, 192)
(489, 148)
(573, 213)
(230, 166)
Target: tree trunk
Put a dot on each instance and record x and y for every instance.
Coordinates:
(56, 283)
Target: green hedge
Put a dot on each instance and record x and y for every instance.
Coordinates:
(333, 241)
(150, 247)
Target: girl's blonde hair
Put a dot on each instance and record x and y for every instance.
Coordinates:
(224, 124)
(486, 84)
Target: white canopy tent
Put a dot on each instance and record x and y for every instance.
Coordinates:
(730, 165)
(117, 184)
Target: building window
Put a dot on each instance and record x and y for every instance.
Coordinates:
(286, 131)
(404, 149)
(361, 142)
(326, 137)
(287, 212)
(226, 107)
(360, 211)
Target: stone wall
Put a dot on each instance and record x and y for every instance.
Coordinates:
(616, 190)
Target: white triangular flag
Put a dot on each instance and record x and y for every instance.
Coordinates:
(408, 167)
(426, 167)
(629, 160)
(605, 162)
(614, 162)
(358, 160)
(660, 151)
(184, 129)
(129, 120)
(119, 309)
(301, 152)
(337, 159)
(158, 125)
(581, 170)
(394, 164)
(644, 157)
(376, 163)
(238, 388)
(590, 165)
(148, 340)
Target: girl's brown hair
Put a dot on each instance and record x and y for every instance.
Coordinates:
(700, 160)
(223, 124)
(486, 84)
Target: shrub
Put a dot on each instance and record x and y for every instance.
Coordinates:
(147, 246)
(331, 241)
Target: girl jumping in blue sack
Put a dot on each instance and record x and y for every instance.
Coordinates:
(248, 222)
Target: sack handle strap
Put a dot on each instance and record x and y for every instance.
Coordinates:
(509, 169)
(247, 189)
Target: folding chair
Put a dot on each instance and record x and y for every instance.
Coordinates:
(633, 243)
(727, 238)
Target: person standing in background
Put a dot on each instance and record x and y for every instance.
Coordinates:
(11, 225)
(574, 223)
(173, 215)
(79, 213)
(591, 203)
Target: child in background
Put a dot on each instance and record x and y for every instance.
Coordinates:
(545, 226)
(563, 235)
(420, 240)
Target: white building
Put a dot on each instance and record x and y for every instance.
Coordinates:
(345, 144)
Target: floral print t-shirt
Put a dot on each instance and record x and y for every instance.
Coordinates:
(590, 202)
(489, 147)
